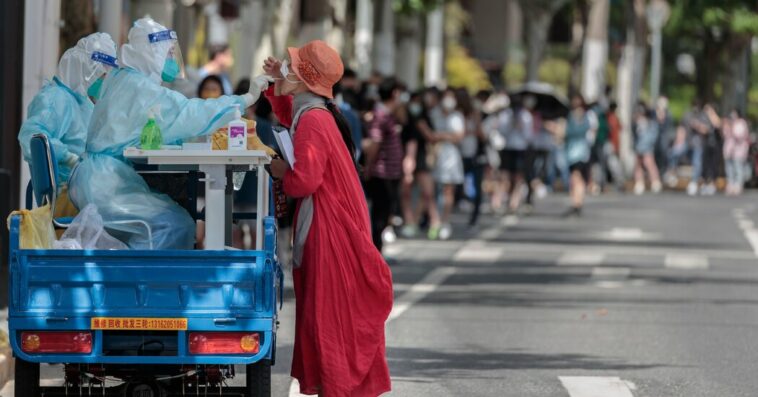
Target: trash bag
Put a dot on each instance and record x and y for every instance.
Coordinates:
(87, 231)
(37, 230)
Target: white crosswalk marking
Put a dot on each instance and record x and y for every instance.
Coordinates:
(684, 261)
(596, 386)
(477, 251)
(581, 258)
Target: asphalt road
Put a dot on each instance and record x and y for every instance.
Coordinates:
(643, 296)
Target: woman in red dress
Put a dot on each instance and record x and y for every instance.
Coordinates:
(343, 287)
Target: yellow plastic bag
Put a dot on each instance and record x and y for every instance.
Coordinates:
(37, 230)
(64, 208)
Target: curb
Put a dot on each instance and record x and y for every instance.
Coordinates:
(7, 364)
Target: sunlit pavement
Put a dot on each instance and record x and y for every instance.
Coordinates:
(642, 296)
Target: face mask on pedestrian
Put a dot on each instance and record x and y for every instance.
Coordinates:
(405, 97)
(449, 104)
(414, 108)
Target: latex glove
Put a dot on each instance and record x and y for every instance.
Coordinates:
(257, 86)
(71, 159)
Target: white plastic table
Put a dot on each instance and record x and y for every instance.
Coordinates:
(217, 166)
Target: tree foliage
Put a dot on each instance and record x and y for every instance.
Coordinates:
(415, 6)
(730, 16)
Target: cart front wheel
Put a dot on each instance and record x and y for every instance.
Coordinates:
(259, 379)
(27, 378)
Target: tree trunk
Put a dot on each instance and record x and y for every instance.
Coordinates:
(537, 30)
(316, 20)
(253, 23)
(409, 50)
(578, 34)
(283, 13)
(630, 72)
(514, 36)
(162, 11)
(595, 51)
(538, 15)
(433, 52)
(736, 78)
(80, 21)
(707, 69)
(364, 35)
(335, 36)
(384, 50)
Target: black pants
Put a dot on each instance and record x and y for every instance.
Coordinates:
(383, 195)
(710, 163)
(536, 168)
(473, 167)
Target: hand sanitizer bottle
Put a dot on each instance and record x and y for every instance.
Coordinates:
(151, 137)
(237, 131)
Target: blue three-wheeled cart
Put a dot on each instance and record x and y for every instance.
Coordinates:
(151, 323)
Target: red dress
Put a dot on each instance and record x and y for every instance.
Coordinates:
(343, 289)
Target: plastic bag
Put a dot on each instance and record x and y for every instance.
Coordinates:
(37, 230)
(87, 232)
(131, 211)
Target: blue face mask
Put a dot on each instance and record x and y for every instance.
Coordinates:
(170, 70)
(94, 90)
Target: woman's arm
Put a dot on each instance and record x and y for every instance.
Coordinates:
(281, 105)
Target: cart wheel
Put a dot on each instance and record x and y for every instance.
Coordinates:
(27, 378)
(259, 379)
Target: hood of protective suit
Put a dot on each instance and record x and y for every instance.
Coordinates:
(78, 69)
(138, 53)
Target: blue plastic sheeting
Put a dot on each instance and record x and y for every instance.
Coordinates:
(106, 180)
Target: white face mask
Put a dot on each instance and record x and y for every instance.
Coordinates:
(405, 97)
(449, 103)
(415, 109)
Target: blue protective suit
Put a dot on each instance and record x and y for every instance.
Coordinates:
(61, 114)
(106, 179)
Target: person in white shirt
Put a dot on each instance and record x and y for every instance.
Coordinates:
(450, 128)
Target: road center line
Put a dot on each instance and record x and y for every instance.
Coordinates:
(596, 386)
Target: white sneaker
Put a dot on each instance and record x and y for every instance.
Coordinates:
(541, 191)
(656, 187)
(388, 235)
(708, 190)
(446, 231)
(692, 189)
(671, 180)
(639, 189)
(409, 231)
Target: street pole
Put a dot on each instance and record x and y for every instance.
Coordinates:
(433, 62)
(110, 19)
(655, 67)
(364, 33)
(658, 13)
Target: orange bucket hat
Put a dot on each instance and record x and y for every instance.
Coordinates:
(318, 66)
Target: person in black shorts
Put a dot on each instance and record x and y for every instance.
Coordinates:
(516, 127)
(417, 137)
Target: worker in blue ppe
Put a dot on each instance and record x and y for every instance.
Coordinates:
(131, 211)
(63, 107)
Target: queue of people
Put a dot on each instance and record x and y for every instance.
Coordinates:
(431, 152)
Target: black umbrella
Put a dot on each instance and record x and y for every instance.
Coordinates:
(550, 104)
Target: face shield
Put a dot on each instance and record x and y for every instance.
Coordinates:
(173, 66)
(103, 64)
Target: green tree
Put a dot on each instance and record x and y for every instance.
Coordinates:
(724, 29)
